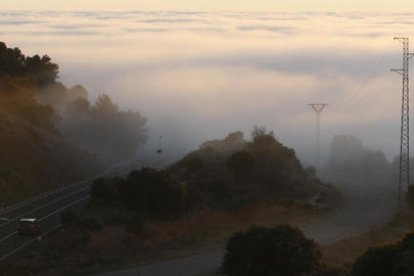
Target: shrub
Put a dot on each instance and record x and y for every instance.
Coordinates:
(410, 195)
(104, 190)
(240, 164)
(68, 218)
(378, 261)
(154, 193)
(282, 250)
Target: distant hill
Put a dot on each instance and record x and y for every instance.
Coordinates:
(231, 172)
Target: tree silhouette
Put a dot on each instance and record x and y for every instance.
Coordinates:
(282, 250)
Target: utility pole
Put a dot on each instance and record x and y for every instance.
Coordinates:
(318, 108)
(404, 176)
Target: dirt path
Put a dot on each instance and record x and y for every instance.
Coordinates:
(367, 207)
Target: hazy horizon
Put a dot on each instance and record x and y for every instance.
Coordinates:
(238, 5)
(198, 76)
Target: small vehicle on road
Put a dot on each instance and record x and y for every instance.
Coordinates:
(28, 226)
(3, 219)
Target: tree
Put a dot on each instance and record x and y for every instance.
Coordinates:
(104, 107)
(282, 250)
(378, 261)
(103, 129)
(240, 165)
(261, 136)
(105, 190)
(153, 193)
(40, 70)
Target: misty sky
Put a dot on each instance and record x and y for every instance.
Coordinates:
(200, 75)
(249, 5)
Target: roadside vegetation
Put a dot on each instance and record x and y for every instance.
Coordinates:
(224, 187)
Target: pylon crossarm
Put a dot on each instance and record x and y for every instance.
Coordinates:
(398, 71)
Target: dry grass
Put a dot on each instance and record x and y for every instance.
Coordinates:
(115, 247)
(343, 253)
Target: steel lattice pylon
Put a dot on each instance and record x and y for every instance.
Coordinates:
(404, 174)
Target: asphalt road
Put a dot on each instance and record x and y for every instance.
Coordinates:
(46, 208)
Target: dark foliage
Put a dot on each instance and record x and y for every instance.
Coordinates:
(410, 195)
(105, 190)
(240, 165)
(232, 172)
(68, 218)
(148, 192)
(282, 250)
(39, 70)
(378, 261)
(394, 259)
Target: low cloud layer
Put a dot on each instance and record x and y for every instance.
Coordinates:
(197, 76)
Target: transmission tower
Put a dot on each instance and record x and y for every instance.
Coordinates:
(318, 108)
(404, 176)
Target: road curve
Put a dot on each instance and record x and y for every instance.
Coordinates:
(367, 207)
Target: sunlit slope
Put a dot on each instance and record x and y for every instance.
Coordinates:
(33, 156)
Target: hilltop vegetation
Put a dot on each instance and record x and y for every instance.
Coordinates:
(221, 175)
(231, 172)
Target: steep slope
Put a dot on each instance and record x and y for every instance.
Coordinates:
(34, 159)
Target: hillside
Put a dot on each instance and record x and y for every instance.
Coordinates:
(51, 135)
(231, 172)
(197, 204)
(34, 159)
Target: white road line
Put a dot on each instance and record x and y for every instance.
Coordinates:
(42, 206)
(73, 185)
(8, 236)
(48, 215)
(63, 208)
(17, 249)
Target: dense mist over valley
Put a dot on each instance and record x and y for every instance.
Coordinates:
(204, 142)
(198, 76)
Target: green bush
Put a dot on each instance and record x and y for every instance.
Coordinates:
(282, 250)
(104, 190)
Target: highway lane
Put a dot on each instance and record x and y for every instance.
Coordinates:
(14, 243)
(42, 208)
(46, 208)
(20, 209)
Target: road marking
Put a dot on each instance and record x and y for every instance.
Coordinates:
(17, 249)
(8, 236)
(63, 208)
(42, 206)
(48, 215)
(73, 185)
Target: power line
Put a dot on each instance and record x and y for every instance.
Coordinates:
(404, 174)
(318, 108)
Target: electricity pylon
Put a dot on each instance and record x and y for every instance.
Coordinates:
(404, 176)
(318, 108)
